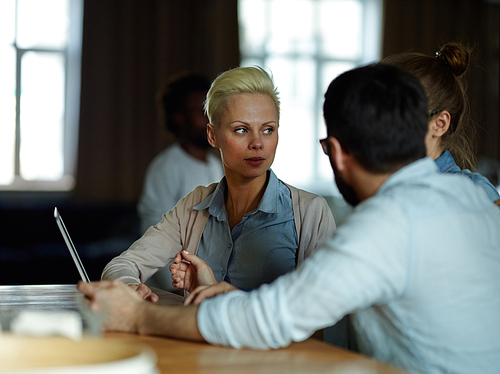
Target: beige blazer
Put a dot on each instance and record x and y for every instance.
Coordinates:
(182, 227)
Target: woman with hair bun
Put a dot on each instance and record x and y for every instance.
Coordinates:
(451, 137)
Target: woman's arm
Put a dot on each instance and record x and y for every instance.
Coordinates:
(180, 229)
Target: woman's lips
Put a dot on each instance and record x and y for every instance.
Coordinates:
(255, 161)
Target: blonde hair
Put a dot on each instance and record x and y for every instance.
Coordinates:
(242, 80)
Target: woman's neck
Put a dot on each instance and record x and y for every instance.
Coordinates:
(243, 196)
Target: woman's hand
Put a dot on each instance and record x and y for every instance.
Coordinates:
(189, 272)
(206, 292)
(144, 292)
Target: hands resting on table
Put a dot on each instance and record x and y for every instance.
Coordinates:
(123, 309)
(122, 305)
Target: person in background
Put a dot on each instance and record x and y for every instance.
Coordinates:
(185, 164)
(423, 298)
(249, 228)
(451, 137)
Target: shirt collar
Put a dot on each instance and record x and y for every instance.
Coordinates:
(414, 171)
(268, 204)
(446, 162)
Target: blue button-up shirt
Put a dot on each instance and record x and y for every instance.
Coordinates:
(417, 265)
(446, 164)
(260, 248)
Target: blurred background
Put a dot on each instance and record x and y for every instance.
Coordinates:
(79, 122)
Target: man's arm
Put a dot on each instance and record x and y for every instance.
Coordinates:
(362, 265)
(125, 311)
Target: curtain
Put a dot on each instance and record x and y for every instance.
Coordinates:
(425, 25)
(130, 47)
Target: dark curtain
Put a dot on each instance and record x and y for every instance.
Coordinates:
(424, 25)
(130, 47)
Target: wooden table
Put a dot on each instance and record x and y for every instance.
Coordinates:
(310, 356)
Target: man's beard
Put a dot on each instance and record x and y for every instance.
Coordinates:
(345, 189)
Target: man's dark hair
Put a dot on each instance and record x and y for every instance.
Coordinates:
(172, 96)
(378, 114)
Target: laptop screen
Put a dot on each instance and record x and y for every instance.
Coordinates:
(71, 247)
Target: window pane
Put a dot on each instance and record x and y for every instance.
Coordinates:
(340, 28)
(42, 24)
(329, 72)
(295, 80)
(252, 62)
(306, 44)
(7, 113)
(252, 20)
(292, 27)
(7, 21)
(42, 109)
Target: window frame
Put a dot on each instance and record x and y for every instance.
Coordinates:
(371, 36)
(72, 56)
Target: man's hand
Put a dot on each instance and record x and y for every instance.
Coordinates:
(206, 292)
(144, 292)
(118, 304)
(189, 272)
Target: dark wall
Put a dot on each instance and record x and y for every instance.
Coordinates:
(32, 250)
(130, 47)
(425, 25)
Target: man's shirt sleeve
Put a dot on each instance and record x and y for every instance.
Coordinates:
(365, 263)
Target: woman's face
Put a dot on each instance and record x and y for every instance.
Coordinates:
(247, 135)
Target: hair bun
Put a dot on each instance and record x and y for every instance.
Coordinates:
(456, 57)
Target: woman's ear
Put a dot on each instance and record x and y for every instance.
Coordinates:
(439, 124)
(212, 139)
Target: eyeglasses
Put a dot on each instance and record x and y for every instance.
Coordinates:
(434, 112)
(324, 145)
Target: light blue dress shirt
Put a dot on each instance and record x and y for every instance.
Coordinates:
(446, 164)
(260, 248)
(417, 266)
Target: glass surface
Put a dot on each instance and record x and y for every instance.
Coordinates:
(41, 117)
(340, 28)
(252, 21)
(7, 113)
(306, 44)
(252, 62)
(291, 27)
(42, 24)
(7, 21)
(329, 72)
(295, 81)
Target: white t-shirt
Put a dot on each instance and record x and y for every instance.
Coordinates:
(171, 175)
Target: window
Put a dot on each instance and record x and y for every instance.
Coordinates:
(306, 44)
(40, 44)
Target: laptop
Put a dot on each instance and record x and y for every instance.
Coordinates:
(71, 247)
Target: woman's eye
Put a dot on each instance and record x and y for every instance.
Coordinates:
(269, 130)
(240, 131)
